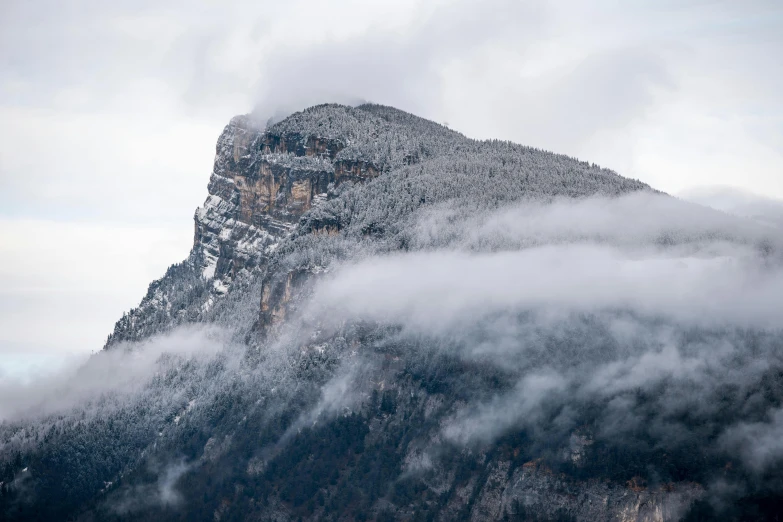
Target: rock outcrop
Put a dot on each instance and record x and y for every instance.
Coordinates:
(261, 185)
(262, 182)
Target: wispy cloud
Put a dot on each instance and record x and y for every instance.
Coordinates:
(120, 373)
(584, 305)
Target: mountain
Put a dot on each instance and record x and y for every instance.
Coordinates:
(264, 181)
(767, 211)
(381, 319)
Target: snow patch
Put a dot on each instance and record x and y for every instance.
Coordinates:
(209, 270)
(219, 287)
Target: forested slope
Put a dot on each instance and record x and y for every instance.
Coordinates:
(382, 319)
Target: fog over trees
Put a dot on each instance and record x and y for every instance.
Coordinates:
(482, 331)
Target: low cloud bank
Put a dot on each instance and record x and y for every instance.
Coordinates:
(660, 316)
(765, 210)
(121, 372)
(162, 493)
(646, 253)
(640, 320)
(440, 290)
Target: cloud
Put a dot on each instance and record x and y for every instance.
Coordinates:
(759, 443)
(486, 421)
(438, 290)
(645, 253)
(119, 374)
(639, 220)
(399, 64)
(163, 493)
(764, 210)
(637, 309)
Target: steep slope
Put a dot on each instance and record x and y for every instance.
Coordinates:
(382, 319)
(264, 181)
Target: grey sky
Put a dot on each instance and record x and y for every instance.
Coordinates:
(109, 112)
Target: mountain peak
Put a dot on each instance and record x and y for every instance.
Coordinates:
(271, 183)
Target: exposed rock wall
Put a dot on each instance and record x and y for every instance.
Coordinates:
(262, 182)
(260, 186)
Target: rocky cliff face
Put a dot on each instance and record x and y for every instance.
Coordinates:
(261, 184)
(257, 193)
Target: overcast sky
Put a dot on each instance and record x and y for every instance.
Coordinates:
(109, 113)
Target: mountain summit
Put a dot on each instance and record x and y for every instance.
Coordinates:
(311, 164)
(381, 319)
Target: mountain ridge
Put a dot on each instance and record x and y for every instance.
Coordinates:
(330, 142)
